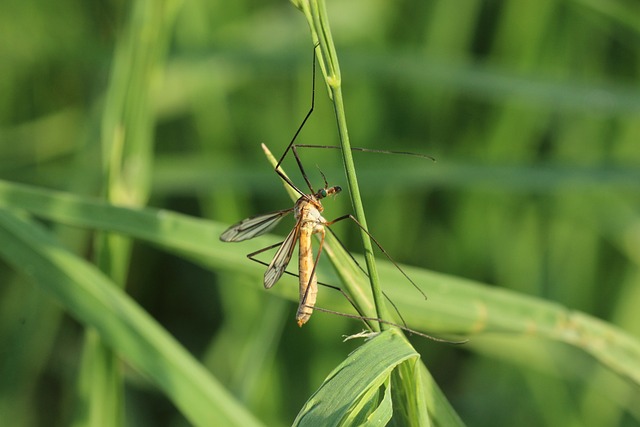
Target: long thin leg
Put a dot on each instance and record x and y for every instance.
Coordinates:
(363, 318)
(292, 145)
(304, 175)
(295, 135)
(349, 216)
(251, 256)
(393, 304)
(404, 328)
(360, 315)
(368, 150)
(259, 251)
(335, 236)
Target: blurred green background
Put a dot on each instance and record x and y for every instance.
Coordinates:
(532, 110)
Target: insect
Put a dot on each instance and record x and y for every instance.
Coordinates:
(307, 212)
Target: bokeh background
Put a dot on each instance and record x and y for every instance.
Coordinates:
(532, 110)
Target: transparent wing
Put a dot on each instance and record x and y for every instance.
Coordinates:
(252, 227)
(281, 259)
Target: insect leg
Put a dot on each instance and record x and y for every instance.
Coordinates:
(349, 216)
(295, 135)
(361, 315)
(367, 150)
(259, 251)
(393, 304)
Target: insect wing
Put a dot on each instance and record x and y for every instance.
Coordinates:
(281, 259)
(252, 227)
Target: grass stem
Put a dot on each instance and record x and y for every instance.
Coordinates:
(316, 14)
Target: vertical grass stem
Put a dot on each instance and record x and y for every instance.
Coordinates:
(316, 14)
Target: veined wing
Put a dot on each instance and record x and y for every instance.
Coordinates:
(281, 259)
(252, 227)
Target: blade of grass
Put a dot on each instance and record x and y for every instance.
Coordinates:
(440, 408)
(316, 14)
(457, 305)
(409, 397)
(412, 399)
(127, 148)
(467, 307)
(358, 377)
(97, 302)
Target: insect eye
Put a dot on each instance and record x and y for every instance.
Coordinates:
(323, 192)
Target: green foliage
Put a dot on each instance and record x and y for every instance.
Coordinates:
(130, 139)
(342, 398)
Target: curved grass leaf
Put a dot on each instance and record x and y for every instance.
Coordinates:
(347, 392)
(95, 301)
(455, 305)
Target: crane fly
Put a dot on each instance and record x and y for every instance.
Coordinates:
(307, 212)
(308, 215)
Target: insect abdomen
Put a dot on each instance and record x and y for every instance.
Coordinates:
(308, 279)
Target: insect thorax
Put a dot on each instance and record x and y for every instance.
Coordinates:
(309, 210)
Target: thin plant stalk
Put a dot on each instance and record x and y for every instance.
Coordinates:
(315, 12)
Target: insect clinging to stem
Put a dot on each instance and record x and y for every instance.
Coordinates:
(309, 220)
(308, 212)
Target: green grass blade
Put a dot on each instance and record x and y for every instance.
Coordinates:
(455, 305)
(410, 400)
(440, 410)
(95, 301)
(469, 308)
(375, 407)
(127, 140)
(316, 15)
(99, 388)
(365, 370)
(384, 410)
